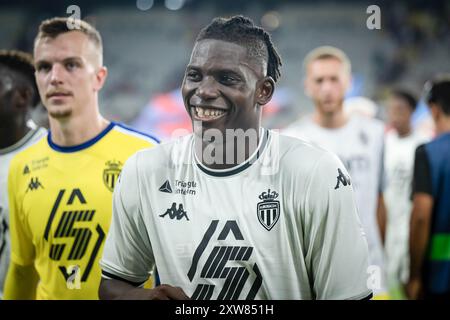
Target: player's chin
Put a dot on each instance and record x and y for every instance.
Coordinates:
(59, 112)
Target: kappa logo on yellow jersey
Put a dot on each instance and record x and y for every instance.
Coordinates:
(111, 174)
(34, 184)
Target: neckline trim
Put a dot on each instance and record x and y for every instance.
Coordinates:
(84, 145)
(240, 167)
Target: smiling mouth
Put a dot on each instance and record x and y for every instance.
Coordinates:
(207, 114)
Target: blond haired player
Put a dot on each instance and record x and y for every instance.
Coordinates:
(60, 189)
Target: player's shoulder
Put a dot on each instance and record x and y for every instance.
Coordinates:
(302, 157)
(368, 123)
(34, 148)
(129, 134)
(164, 155)
(298, 127)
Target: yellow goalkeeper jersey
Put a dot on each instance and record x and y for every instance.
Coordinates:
(60, 208)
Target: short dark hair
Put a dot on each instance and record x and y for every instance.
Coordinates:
(242, 31)
(438, 91)
(21, 65)
(405, 95)
(51, 28)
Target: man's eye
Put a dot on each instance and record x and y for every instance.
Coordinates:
(71, 65)
(43, 68)
(193, 75)
(227, 79)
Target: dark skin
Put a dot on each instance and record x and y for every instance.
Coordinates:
(15, 106)
(221, 76)
(399, 115)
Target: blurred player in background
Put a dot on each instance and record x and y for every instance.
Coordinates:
(18, 96)
(60, 188)
(357, 140)
(257, 225)
(401, 142)
(429, 239)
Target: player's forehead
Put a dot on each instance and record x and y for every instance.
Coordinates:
(212, 54)
(73, 44)
(326, 67)
(397, 103)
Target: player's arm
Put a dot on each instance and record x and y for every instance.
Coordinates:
(337, 250)
(21, 282)
(381, 217)
(420, 222)
(22, 279)
(128, 257)
(111, 289)
(381, 208)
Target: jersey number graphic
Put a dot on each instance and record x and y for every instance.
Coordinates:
(215, 266)
(81, 236)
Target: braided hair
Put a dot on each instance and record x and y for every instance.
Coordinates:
(242, 31)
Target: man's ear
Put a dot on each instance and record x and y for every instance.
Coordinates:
(265, 91)
(100, 76)
(435, 111)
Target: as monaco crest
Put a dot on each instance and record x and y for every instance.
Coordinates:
(111, 174)
(268, 209)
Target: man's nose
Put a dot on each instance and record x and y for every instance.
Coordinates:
(207, 89)
(327, 86)
(56, 74)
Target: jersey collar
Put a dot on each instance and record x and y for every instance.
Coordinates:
(240, 167)
(79, 147)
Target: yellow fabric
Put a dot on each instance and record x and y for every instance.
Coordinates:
(60, 210)
(382, 296)
(21, 282)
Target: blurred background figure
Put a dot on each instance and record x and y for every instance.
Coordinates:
(18, 97)
(357, 140)
(401, 142)
(362, 106)
(429, 238)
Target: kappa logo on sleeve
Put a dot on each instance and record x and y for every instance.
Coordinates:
(342, 179)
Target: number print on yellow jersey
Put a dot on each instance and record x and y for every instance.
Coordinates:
(66, 229)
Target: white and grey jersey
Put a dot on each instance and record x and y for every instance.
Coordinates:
(6, 155)
(360, 146)
(399, 165)
(282, 225)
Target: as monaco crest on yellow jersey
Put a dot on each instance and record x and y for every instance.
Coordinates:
(111, 173)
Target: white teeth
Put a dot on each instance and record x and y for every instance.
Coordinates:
(203, 112)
